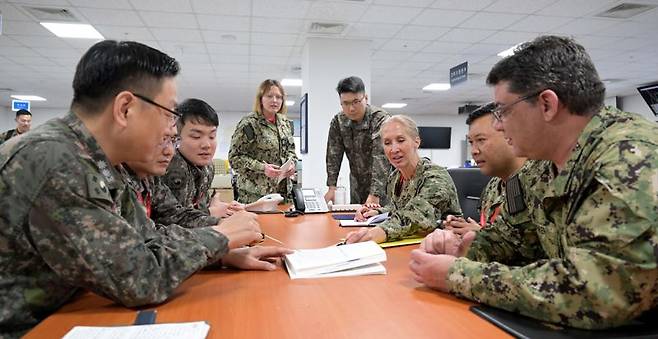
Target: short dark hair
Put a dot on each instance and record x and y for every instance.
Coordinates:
(351, 85)
(109, 67)
(556, 63)
(480, 112)
(198, 111)
(23, 112)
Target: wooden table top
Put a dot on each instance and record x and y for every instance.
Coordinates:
(257, 304)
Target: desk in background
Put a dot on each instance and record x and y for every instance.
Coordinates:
(256, 304)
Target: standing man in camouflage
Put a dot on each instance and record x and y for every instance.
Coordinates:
(23, 123)
(595, 208)
(355, 132)
(191, 171)
(67, 220)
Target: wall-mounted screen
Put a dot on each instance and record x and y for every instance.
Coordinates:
(434, 137)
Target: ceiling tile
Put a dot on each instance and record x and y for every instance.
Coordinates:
(114, 4)
(584, 26)
(23, 28)
(272, 51)
(384, 64)
(577, 8)
(188, 59)
(218, 37)
(31, 60)
(223, 22)
(539, 24)
(630, 29)
(293, 9)
(217, 59)
(486, 49)
(519, 6)
(81, 44)
(176, 34)
(10, 12)
(371, 30)
(404, 45)
(335, 11)
(18, 52)
(415, 66)
(179, 6)
(471, 5)
(491, 20)
(259, 24)
(413, 32)
(125, 32)
(175, 48)
(227, 49)
(390, 14)
(441, 17)
(408, 3)
(114, 17)
(259, 38)
(466, 35)
(510, 38)
(268, 60)
(40, 41)
(7, 42)
(50, 53)
(44, 2)
(445, 47)
(225, 7)
(169, 20)
(429, 57)
(391, 55)
(591, 41)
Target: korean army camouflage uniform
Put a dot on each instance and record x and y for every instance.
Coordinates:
(423, 200)
(8, 135)
(68, 222)
(362, 144)
(254, 143)
(161, 205)
(596, 227)
(189, 183)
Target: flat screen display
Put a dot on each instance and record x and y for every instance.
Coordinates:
(435, 137)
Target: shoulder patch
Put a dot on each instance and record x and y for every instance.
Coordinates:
(97, 188)
(249, 132)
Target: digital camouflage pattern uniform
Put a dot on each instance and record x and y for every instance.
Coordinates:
(68, 222)
(161, 205)
(189, 183)
(423, 200)
(254, 143)
(8, 135)
(362, 144)
(596, 234)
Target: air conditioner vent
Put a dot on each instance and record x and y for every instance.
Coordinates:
(625, 10)
(326, 28)
(43, 14)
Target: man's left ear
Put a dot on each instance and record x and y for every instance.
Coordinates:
(549, 102)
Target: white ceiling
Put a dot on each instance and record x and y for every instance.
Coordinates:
(227, 47)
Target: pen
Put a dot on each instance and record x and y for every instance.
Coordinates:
(273, 239)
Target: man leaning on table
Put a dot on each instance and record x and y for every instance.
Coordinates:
(67, 219)
(595, 207)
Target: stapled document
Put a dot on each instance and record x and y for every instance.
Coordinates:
(336, 261)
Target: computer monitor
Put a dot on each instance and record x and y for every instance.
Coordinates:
(434, 137)
(650, 95)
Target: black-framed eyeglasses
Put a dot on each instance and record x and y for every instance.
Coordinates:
(501, 111)
(352, 103)
(174, 115)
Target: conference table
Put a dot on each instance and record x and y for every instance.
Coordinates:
(260, 304)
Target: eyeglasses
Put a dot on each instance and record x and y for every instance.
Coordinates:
(352, 103)
(173, 117)
(501, 111)
(167, 140)
(272, 97)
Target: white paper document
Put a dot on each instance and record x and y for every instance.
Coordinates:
(336, 261)
(192, 330)
(376, 219)
(285, 168)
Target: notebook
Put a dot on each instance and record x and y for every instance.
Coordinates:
(403, 242)
(191, 330)
(336, 261)
(372, 221)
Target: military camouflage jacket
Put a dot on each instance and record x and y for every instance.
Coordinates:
(491, 199)
(362, 144)
(596, 225)
(7, 135)
(422, 201)
(68, 221)
(189, 183)
(161, 205)
(254, 143)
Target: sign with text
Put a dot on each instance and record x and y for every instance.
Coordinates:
(20, 104)
(459, 74)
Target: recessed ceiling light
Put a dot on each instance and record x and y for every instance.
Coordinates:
(292, 82)
(509, 51)
(290, 102)
(394, 105)
(28, 97)
(67, 30)
(437, 86)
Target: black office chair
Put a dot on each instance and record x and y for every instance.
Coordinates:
(469, 182)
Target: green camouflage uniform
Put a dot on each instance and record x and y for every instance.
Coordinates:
(8, 135)
(189, 183)
(362, 144)
(492, 198)
(68, 222)
(596, 234)
(254, 143)
(424, 199)
(165, 208)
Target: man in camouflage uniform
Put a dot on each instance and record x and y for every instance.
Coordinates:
(355, 132)
(66, 211)
(23, 123)
(191, 171)
(595, 208)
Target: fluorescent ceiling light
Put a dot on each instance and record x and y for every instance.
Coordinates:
(394, 105)
(290, 102)
(292, 82)
(509, 51)
(67, 30)
(28, 97)
(437, 86)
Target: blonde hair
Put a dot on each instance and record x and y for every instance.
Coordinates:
(264, 88)
(409, 125)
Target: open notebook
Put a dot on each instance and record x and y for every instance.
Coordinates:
(336, 261)
(372, 221)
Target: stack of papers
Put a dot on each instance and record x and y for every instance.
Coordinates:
(285, 168)
(336, 261)
(193, 330)
(372, 221)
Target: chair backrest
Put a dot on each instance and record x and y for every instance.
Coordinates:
(469, 182)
